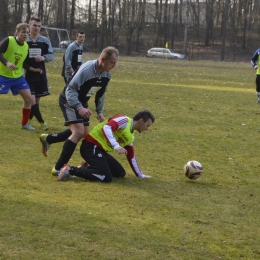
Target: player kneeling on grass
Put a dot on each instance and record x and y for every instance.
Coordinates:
(116, 133)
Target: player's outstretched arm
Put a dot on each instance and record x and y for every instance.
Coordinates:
(134, 164)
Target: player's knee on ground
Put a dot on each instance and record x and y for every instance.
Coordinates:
(90, 174)
(118, 172)
(121, 174)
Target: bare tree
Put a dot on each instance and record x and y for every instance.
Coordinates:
(158, 22)
(141, 22)
(111, 20)
(48, 10)
(118, 16)
(165, 23)
(65, 17)
(28, 10)
(132, 25)
(18, 11)
(89, 12)
(209, 21)
(103, 32)
(180, 10)
(218, 12)
(234, 28)
(186, 28)
(195, 6)
(245, 22)
(224, 31)
(96, 24)
(72, 16)
(130, 22)
(174, 23)
(4, 17)
(59, 16)
(40, 9)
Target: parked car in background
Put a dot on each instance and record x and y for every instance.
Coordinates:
(65, 44)
(165, 53)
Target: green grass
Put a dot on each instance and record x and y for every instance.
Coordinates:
(204, 111)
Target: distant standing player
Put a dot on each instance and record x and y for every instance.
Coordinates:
(40, 51)
(72, 58)
(255, 62)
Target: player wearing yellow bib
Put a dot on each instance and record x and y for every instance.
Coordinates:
(13, 52)
(255, 62)
(115, 134)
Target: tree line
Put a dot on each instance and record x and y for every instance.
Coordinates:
(133, 26)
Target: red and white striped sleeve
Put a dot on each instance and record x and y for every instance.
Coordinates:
(133, 161)
(115, 123)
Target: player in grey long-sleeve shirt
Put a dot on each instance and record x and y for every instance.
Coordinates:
(72, 58)
(90, 78)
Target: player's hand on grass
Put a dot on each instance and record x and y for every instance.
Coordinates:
(144, 176)
(121, 150)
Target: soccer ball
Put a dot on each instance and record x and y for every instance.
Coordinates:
(193, 170)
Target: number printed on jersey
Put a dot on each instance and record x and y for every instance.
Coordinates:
(34, 52)
(79, 58)
(92, 91)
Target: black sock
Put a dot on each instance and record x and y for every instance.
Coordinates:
(67, 151)
(31, 114)
(58, 137)
(35, 111)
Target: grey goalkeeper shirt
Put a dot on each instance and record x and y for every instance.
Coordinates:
(72, 58)
(86, 82)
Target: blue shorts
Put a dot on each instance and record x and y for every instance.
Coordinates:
(14, 84)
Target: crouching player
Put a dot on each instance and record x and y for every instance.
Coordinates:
(115, 134)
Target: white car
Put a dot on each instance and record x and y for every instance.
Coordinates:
(65, 44)
(165, 53)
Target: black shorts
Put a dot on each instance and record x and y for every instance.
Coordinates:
(71, 115)
(39, 88)
(257, 83)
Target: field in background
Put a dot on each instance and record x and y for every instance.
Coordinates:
(204, 111)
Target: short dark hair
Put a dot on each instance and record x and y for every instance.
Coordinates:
(79, 33)
(145, 115)
(36, 19)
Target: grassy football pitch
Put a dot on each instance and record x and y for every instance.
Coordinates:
(204, 111)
